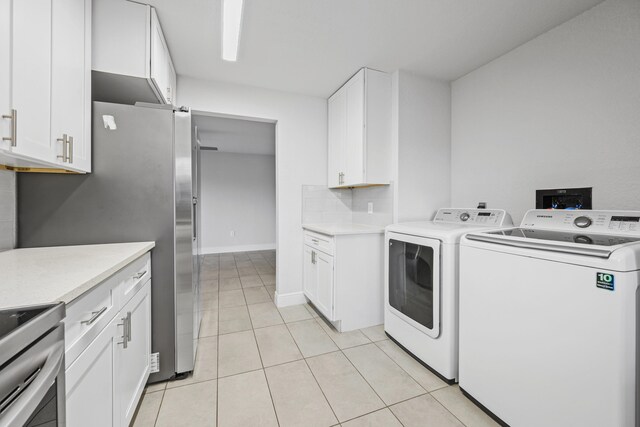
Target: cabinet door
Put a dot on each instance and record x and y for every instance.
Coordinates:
(71, 82)
(134, 359)
(310, 280)
(5, 68)
(172, 82)
(324, 271)
(337, 135)
(355, 148)
(89, 382)
(159, 58)
(31, 78)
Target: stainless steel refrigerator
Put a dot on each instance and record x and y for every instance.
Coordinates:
(144, 186)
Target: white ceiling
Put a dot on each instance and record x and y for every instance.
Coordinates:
(313, 46)
(236, 135)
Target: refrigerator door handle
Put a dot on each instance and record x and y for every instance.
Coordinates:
(195, 217)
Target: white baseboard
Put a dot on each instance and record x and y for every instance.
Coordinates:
(239, 248)
(293, 298)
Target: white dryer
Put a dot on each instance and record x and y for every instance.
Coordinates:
(421, 284)
(549, 319)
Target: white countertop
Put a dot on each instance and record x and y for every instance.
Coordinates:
(336, 229)
(63, 273)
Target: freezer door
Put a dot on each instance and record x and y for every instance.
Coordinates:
(129, 197)
(185, 285)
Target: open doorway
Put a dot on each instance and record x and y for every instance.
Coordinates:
(237, 203)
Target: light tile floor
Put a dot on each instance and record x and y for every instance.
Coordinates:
(258, 365)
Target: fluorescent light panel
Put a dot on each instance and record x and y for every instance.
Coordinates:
(231, 23)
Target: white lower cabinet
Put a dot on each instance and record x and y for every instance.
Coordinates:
(318, 279)
(324, 272)
(91, 395)
(134, 361)
(105, 381)
(310, 274)
(343, 278)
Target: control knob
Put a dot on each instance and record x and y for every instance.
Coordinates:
(464, 216)
(582, 222)
(585, 240)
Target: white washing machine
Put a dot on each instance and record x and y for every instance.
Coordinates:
(421, 284)
(549, 319)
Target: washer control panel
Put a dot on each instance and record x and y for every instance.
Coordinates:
(612, 222)
(488, 217)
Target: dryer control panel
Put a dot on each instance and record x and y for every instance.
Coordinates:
(488, 217)
(610, 222)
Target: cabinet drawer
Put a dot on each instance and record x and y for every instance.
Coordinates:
(88, 315)
(134, 276)
(319, 241)
(91, 312)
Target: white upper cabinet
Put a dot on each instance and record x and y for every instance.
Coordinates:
(131, 61)
(359, 131)
(163, 75)
(71, 91)
(45, 87)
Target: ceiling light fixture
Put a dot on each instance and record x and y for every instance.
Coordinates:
(231, 23)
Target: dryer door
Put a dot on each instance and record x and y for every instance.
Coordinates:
(413, 281)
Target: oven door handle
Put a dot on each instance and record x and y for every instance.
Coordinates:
(19, 412)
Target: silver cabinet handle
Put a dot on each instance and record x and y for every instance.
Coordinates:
(64, 140)
(95, 315)
(315, 240)
(14, 127)
(70, 150)
(125, 330)
(139, 275)
(313, 257)
(128, 326)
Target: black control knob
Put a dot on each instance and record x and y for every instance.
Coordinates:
(582, 221)
(464, 216)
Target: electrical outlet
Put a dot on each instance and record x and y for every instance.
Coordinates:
(370, 207)
(155, 363)
(232, 233)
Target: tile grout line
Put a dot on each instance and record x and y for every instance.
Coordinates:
(398, 365)
(312, 374)
(155, 421)
(218, 352)
(264, 372)
(363, 377)
(420, 385)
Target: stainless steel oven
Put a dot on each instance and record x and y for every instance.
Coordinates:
(32, 389)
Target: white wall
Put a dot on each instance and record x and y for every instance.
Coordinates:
(238, 193)
(563, 110)
(7, 210)
(422, 146)
(301, 158)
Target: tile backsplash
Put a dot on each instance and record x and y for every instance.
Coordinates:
(321, 205)
(7, 210)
